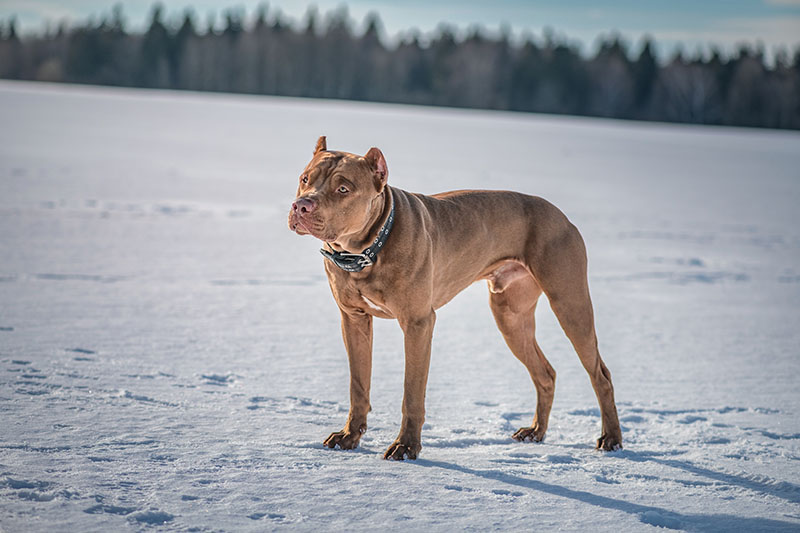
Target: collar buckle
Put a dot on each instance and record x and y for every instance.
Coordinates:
(357, 262)
(362, 259)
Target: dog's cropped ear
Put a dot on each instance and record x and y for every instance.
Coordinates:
(378, 164)
(322, 145)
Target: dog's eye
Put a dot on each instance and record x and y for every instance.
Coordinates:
(304, 179)
(343, 189)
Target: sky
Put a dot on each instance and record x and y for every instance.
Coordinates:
(690, 24)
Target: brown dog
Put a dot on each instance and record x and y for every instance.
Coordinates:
(435, 246)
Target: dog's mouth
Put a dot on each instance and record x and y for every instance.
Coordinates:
(307, 226)
(297, 226)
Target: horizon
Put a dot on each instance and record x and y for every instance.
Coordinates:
(773, 25)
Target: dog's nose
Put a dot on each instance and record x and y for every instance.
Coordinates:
(304, 205)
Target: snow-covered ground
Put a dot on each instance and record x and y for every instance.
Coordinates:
(170, 355)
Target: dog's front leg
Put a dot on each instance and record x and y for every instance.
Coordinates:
(357, 334)
(418, 333)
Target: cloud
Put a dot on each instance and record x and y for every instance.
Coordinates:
(728, 32)
(783, 30)
(43, 9)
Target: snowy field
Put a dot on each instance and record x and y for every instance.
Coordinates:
(170, 354)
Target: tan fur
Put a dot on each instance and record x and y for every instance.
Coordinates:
(440, 244)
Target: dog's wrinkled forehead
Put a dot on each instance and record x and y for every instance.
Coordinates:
(324, 163)
(327, 163)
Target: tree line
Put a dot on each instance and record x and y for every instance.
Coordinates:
(324, 57)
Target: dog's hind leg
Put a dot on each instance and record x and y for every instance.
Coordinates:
(513, 296)
(562, 276)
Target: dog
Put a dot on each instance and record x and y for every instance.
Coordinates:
(395, 254)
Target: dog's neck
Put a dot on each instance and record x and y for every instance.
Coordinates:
(355, 242)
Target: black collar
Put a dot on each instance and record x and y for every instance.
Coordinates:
(358, 262)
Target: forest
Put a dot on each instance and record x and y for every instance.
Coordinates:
(328, 56)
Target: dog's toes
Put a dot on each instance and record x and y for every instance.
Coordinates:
(399, 451)
(343, 440)
(609, 443)
(529, 434)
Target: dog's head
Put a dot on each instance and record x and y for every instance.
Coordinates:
(336, 193)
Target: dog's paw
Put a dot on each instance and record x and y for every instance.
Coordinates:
(400, 451)
(344, 440)
(609, 443)
(529, 434)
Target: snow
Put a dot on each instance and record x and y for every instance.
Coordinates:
(170, 354)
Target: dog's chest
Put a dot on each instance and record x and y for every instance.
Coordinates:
(359, 294)
(372, 305)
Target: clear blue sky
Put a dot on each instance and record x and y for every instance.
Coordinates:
(690, 23)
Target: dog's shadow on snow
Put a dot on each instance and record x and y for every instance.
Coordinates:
(779, 489)
(647, 514)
